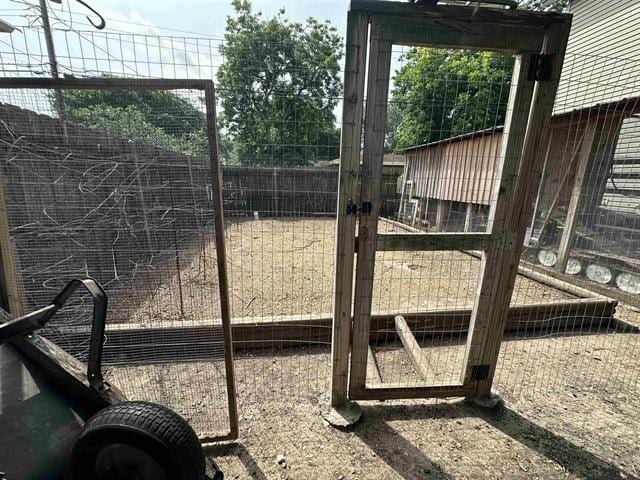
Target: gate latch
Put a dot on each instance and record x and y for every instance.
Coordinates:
(353, 209)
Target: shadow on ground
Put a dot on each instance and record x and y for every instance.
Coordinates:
(387, 443)
(239, 451)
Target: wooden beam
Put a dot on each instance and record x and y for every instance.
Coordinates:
(439, 215)
(221, 256)
(469, 14)
(375, 124)
(468, 218)
(393, 391)
(355, 67)
(10, 298)
(64, 371)
(174, 342)
(527, 122)
(405, 242)
(459, 34)
(576, 192)
(418, 359)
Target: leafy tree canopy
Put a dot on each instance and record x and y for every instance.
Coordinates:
(440, 93)
(157, 117)
(278, 87)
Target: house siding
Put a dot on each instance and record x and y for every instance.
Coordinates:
(602, 64)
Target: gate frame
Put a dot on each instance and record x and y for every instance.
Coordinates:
(207, 86)
(538, 41)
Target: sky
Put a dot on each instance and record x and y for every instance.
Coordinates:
(204, 17)
(82, 50)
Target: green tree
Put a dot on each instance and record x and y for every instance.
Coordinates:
(158, 117)
(440, 93)
(278, 88)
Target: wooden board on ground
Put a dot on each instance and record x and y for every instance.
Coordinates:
(418, 359)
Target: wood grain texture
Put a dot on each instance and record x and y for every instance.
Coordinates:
(221, 257)
(392, 242)
(418, 359)
(374, 135)
(355, 67)
(521, 170)
(576, 192)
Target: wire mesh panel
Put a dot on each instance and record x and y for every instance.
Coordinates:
(279, 195)
(582, 239)
(464, 183)
(123, 194)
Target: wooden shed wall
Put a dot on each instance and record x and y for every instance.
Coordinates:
(461, 171)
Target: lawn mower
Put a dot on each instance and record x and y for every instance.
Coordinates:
(58, 423)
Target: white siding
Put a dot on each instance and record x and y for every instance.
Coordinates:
(603, 55)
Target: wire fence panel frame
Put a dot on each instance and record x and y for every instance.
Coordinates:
(207, 87)
(529, 110)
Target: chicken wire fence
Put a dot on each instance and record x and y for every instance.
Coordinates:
(75, 209)
(566, 331)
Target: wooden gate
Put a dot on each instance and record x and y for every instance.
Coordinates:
(538, 42)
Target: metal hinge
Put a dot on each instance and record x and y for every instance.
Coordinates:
(480, 372)
(540, 67)
(352, 208)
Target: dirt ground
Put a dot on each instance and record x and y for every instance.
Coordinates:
(286, 267)
(570, 411)
(571, 400)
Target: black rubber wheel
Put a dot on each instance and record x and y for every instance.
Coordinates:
(137, 441)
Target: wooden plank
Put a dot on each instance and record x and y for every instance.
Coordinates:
(375, 125)
(468, 218)
(439, 215)
(221, 256)
(527, 129)
(373, 373)
(418, 359)
(445, 13)
(9, 277)
(405, 242)
(63, 370)
(355, 68)
(459, 34)
(393, 391)
(576, 191)
(127, 343)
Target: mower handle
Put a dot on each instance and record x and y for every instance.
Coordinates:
(37, 319)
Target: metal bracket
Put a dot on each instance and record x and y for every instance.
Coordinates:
(540, 67)
(505, 240)
(480, 372)
(353, 209)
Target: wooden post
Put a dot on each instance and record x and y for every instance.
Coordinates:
(541, 182)
(520, 169)
(578, 181)
(439, 214)
(355, 67)
(468, 218)
(9, 294)
(221, 256)
(375, 124)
